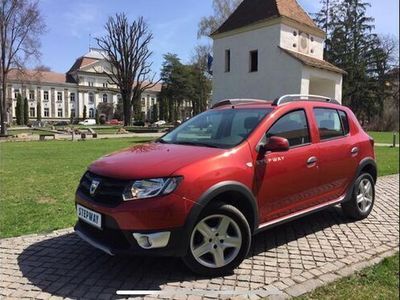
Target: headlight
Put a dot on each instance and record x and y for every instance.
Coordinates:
(148, 188)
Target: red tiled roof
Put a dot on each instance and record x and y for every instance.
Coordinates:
(313, 62)
(82, 62)
(38, 76)
(254, 11)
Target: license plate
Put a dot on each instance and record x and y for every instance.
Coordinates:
(89, 216)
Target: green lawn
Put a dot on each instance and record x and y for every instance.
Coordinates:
(387, 160)
(377, 282)
(384, 137)
(38, 182)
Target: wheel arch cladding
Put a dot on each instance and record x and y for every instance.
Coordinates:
(368, 165)
(229, 192)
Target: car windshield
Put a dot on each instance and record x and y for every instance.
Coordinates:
(217, 128)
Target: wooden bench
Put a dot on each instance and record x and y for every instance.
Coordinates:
(42, 137)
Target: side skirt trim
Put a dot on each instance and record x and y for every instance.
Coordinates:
(299, 214)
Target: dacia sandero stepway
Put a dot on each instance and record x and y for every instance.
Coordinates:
(204, 189)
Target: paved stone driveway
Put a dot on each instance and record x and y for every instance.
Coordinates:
(285, 261)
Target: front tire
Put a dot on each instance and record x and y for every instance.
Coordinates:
(363, 198)
(219, 241)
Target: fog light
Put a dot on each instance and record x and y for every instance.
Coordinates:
(153, 240)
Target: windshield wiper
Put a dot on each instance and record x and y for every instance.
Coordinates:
(162, 141)
(196, 144)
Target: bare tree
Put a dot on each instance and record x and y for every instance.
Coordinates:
(222, 10)
(126, 49)
(42, 68)
(21, 24)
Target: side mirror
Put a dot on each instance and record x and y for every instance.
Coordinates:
(276, 144)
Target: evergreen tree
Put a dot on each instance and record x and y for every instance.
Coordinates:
(26, 112)
(352, 46)
(19, 111)
(39, 111)
(84, 113)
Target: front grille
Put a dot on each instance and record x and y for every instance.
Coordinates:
(108, 192)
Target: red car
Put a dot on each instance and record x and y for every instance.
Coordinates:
(114, 122)
(204, 189)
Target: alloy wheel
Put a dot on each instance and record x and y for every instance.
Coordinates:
(216, 241)
(365, 195)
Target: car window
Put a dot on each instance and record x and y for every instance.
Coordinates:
(292, 126)
(218, 128)
(329, 124)
(345, 122)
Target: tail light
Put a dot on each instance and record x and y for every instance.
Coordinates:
(371, 140)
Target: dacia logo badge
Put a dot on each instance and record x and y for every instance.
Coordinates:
(94, 186)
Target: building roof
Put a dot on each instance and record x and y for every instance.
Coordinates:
(82, 62)
(313, 62)
(39, 76)
(254, 11)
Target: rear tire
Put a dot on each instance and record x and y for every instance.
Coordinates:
(362, 200)
(219, 241)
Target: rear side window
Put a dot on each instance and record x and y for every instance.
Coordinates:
(345, 122)
(329, 123)
(292, 126)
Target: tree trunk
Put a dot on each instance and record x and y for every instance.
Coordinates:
(127, 112)
(3, 104)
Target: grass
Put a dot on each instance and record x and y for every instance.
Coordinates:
(38, 181)
(384, 137)
(388, 160)
(377, 282)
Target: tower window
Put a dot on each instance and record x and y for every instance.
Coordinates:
(254, 61)
(227, 60)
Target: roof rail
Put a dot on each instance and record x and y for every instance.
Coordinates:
(236, 102)
(300, 97)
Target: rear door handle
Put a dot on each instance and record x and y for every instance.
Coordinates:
(354, 151)
(311, 161)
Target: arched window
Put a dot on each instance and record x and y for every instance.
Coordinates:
(91, 98)
(105, 98)
(91, 113)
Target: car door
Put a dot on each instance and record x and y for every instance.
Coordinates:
(338, 152)
(286, 181)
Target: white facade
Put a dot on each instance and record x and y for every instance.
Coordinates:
(278, 71)
(64, 96)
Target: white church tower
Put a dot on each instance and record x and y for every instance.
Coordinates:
(268, 48)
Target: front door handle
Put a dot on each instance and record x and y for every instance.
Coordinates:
(355, 151)
(312, 161)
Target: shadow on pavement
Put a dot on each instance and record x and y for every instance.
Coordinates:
(68, 267)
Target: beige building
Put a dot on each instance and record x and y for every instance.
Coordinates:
(269, 48)
(63, 96)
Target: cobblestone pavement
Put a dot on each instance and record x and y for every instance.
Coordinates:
(286, 261)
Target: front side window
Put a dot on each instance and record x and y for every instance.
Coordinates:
(224, 128)
(105, 98)
(91, 98)
(329, 124)
(72, 113)
(31, 111)
(91, 113)
(46, 112)
(46, 95)
(72, 97)
(31, 95)
(60, 113)
(16, 93)
(293, 127)
(59, 96)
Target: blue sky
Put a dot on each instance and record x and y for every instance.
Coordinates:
(173, 22)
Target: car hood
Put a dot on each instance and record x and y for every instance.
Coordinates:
(151, 160)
